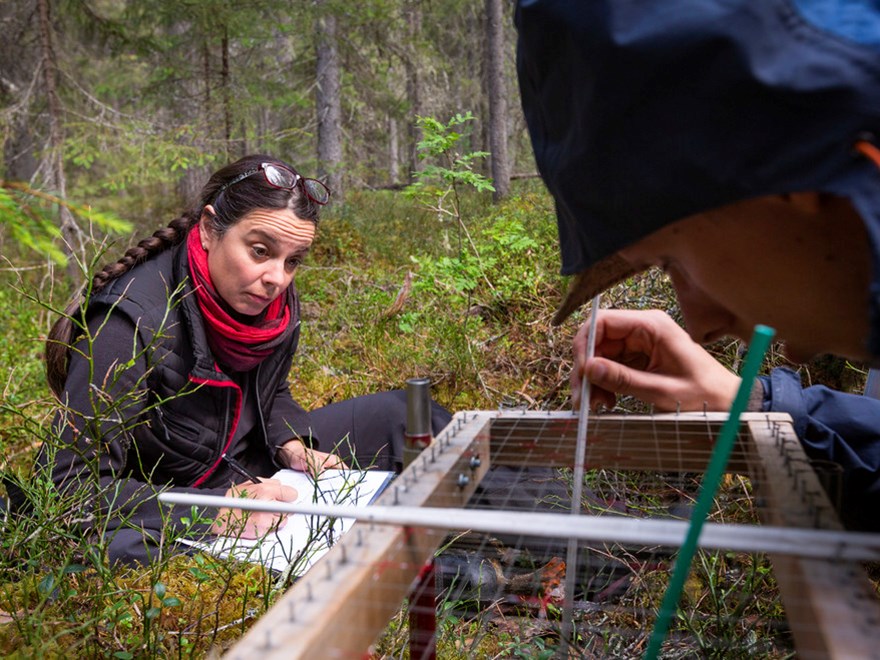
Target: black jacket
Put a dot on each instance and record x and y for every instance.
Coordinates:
(156, 411)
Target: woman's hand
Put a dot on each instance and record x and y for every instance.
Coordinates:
(647, 355)
(253, 524)
(295, 455)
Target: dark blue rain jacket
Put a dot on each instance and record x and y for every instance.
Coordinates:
(642, 113)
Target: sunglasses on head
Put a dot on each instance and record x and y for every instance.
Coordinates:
(279, 176)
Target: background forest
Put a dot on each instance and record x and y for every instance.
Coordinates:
(127, 106)
(436, 257)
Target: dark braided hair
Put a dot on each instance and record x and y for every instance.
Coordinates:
(230, 205)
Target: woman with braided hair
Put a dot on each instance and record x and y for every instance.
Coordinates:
(173, 371)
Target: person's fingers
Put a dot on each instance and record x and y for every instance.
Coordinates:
(598, 395)
(264, 521)
(259, 523)
(267, 489)
(317, 461)
(606, 375)
(335, 462)
(601, 398)
(647, 355)
(254, 524)
(614, 377)
(273, 489)
(247, 524)
(287, 494)
(621, 335)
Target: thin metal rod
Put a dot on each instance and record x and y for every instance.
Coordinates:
(578, 480)
(796, 542)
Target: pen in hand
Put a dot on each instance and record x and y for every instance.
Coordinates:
(241, 469)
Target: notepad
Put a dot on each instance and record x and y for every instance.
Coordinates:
(305, 538)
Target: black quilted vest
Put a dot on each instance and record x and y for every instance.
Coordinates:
(192, 406)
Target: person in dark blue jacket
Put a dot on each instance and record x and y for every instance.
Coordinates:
(735, 145)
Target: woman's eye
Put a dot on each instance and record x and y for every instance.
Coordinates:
(259, 251)
(293, 263)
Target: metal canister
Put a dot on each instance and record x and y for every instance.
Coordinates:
(418, 418)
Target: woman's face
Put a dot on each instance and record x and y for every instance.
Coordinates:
(255, 260)
(798, 263)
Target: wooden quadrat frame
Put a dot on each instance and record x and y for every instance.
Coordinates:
(344, 603)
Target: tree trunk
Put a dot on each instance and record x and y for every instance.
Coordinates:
(393, 152)
(413, 83)
(16, 68)
(19, 163)
(329, 106)
(227, 100)
(71, 233)
(497, 99)
(206, 76)
(190, 183)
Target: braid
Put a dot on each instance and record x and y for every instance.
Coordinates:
(62, 333)
(161, 240)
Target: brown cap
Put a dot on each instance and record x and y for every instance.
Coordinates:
(586, 284)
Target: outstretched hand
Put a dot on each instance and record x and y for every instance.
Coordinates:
(253, 524)
(646, 354)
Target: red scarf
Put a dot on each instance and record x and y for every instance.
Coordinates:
(238, 345)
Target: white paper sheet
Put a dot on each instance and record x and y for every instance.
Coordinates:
(304, 539)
